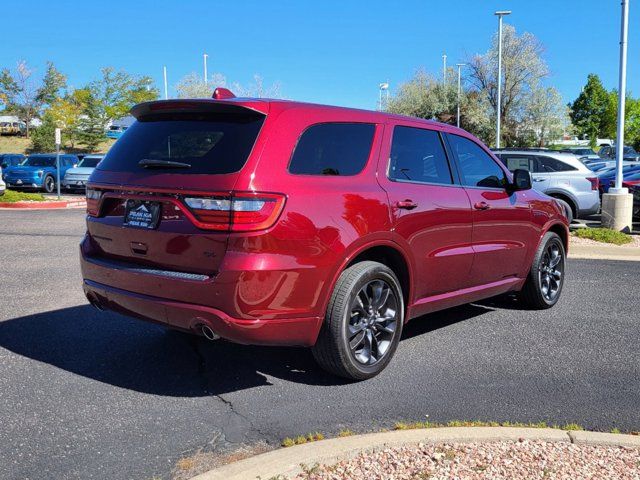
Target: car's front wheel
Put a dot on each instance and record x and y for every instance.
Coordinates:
(48, 184)
(363, 322)
(546, 277)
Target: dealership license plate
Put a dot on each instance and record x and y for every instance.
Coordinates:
(141, 214)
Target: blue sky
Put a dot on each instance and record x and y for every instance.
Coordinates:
(328, 51)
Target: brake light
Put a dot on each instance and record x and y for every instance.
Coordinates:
(595, 182)
(239, 212)
(93, 201)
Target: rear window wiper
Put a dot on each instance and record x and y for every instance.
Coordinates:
(150, 163)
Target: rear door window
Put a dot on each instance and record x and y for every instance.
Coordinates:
(333, 149)
(417, 155)
(550, 165)
(515, 162)
(185, 143)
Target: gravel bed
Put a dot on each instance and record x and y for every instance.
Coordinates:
(500, 460)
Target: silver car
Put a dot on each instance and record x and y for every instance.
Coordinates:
(76, 178)
(561, 176)
(3, 186)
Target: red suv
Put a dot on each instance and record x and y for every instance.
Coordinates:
(283, 223)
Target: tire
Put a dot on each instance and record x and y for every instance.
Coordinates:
(377, 330)
(533, 294)
(567, 208)
(48, 184)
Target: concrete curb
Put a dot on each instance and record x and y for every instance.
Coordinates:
(46, 205)
(604, 252)
(287, 461)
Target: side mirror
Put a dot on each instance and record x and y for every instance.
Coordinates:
(522, 179)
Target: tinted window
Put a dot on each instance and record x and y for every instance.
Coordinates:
(89, 162)
(40, 161)
(418, 155)
(477, 168)
(207, 143)
(548, 165)
(333, 149)
(514, 162)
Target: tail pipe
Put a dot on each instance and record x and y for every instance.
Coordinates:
(208, 333)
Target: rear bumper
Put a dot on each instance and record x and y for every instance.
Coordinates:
(188, 317)
(588, 203)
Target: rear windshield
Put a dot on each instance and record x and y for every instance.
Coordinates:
(201, 143)
(89, 162)
(40, 162)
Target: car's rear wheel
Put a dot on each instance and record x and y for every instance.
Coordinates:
(48, 184)
(363, 322)
(546, 278)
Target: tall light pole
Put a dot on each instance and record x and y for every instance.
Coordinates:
(166, 90)
(381, 87)
(459, 65)
(444, 68)
(500, 14)
(617, 204)
(204, 57)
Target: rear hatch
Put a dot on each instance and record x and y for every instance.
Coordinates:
(160, 197)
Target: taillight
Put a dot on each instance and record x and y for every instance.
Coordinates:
(239, 212)
(595, 182)
(93, 201)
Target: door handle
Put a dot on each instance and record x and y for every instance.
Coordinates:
(406, 204)
(539, 179)
(481, 206)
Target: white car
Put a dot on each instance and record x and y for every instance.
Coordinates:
(3, 187)
(561, 176)
(76, 178)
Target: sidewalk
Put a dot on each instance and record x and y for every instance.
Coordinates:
(581, 249)
(291, 461)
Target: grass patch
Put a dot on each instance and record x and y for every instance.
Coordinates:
(478, 423)
(11, 196)
(302, 439)
(10, 144)
(604, 235)
(345, 433)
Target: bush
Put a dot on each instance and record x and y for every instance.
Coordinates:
(43, 138)
(11, 196)
(605, 235)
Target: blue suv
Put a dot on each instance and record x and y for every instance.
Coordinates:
(39, 172)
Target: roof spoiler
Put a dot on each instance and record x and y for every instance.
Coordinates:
(192, 105)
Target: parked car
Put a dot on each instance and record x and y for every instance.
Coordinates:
(11, 159)
(561, 176)
(630, 181)
(629, 153)
(3, 186)
(282, 223)
(608, 175)
(116, 131)
(12, 128)
(38, 171)
(636, 201)
(76, 178)
(583, 153)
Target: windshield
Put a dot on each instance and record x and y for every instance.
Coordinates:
(40, 162)
(203, 143)
(89, 162)
(629, 150)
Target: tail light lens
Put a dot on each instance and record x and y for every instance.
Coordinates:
(595, 182)
(239, 212)
(93, 201)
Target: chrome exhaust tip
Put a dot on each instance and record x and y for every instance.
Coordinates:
(208, 333)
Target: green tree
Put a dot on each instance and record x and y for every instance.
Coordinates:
(91, 124)
(545, 118)
(43, 138)
(589, 111)
(424, 96)
(52, 85)
(117, 91)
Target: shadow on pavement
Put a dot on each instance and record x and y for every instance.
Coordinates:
(144, 357)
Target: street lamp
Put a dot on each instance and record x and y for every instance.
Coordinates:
(444, 68)
(500, 14)
(166, 90)
(617, 204)
(459, 65)
(204, 56)
(383, 86)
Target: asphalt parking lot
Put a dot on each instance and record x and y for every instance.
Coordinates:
(88, 394)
